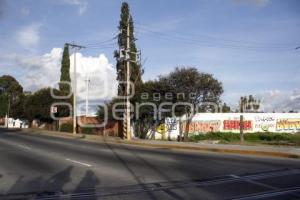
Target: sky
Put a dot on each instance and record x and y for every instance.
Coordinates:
(249, 45)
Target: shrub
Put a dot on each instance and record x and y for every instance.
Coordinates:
(225, 136)
(66, 128)
(271, 138)
(88, 130)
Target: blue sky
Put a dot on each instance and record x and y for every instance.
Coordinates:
(249, 45)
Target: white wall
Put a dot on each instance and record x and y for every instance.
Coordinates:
(229, 122)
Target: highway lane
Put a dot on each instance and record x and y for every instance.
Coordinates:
(39, 163)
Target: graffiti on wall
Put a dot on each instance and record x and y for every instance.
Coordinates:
(264, 123)
(288, 124)
(171, 123)
(162, 129)
(235, 125)
(201, 126)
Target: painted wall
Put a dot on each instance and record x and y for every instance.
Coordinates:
(230, 122)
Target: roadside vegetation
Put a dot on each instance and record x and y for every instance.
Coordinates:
(259, 138)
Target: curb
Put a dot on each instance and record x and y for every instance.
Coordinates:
(101, 139)
(220, 150)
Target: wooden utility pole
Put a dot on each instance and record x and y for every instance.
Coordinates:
(127, 123)
(8, 109)
(76, 48)
(242, 120)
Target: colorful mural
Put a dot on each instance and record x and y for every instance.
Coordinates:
(264, 123)
(225, 122)
(201, 126)
(235, 125)
(288, 124)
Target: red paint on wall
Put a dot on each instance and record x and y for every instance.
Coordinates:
(235, 125)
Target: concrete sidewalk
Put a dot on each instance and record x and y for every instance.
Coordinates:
(258, 150)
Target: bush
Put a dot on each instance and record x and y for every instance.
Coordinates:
(225, 136)
(66, 128)
(88, 130)
(271, 138)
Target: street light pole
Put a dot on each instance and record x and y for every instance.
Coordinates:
(87, 96)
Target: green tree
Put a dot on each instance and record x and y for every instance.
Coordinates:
(64, 88)
(249, 104)
(135, 67)
(195, 88)
(225, 108)
(38, 105)
(65, 71)
(199, 89)
(184, 81)
(11, 97)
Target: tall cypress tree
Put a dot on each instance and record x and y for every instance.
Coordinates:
(135, 67)
(65, 89)
(65, 71)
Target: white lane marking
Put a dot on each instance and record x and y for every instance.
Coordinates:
(16, 144)
(77, 162)
(24, 147)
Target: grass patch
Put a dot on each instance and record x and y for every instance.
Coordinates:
(263, 138)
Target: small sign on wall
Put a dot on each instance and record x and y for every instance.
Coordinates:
(53, 109)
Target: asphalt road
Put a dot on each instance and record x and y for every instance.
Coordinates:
(56, 168)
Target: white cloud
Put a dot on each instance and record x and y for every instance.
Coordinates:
(279, 101)
(271, 100)
(29, 36)
(81, 4)
(102, 76)
(39, 71)
(44, 71)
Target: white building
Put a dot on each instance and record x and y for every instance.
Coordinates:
(16, 123)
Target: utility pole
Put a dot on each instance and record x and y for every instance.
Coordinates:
(8, 110)
(76, 48)
(242, 120)
(127, 60)
(126, 57)
(87, 96)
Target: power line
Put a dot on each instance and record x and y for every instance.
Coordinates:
(108, 47)
(214, 43)
(112, 44)
(102, 42)
(216, 38)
